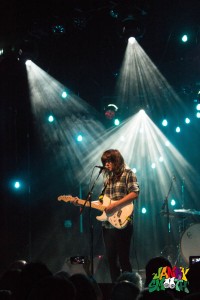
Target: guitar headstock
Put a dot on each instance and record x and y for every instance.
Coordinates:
(66, 198)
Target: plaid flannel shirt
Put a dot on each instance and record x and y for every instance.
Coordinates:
(117, 190)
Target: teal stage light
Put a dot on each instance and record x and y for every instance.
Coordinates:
(184, 38)
(164, 123)
(17, 184)
(116, 122)
(198, 106)
(173, 202)
(187, 120)
(79, 138)
(50, 119)
(144, 211)
(64, 95)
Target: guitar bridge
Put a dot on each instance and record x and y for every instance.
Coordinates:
(129, 218)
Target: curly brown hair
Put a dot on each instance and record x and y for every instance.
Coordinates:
(116, 158)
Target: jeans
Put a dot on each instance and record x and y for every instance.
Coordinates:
(117, 243)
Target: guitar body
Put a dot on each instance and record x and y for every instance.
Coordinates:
(119, 219)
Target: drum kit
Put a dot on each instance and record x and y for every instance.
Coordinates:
(190, 237)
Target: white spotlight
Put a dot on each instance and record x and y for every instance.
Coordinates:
(142, 112)
(131, 40)
(28, 62)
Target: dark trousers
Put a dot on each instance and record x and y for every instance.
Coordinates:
(117, 243)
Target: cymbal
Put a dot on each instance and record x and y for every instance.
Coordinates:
(187, 211)
(172, 215)
(165, 214)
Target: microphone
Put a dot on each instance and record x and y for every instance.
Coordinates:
(101, 167)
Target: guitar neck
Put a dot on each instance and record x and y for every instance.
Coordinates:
(88, 204)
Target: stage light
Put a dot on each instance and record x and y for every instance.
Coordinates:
(142, 112)
(131, 40)
(198, 106)
(187, 120)
(198, 115)
(153, 165)
(134, 170)
(114, 14)
(50, 119)
(28, 62)
(110, 111)
(164, 123)
(17, 184)
(116, 122)
(184, 38)
(178, 129)
(144, 210)
(161, 159)
(132, 28)
(113, 106)
(64, 95)
(79, 138)
(173, 202)
(109, 114)
(1, 51)
(58, 29)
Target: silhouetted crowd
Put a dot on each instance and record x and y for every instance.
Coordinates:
(34, 281)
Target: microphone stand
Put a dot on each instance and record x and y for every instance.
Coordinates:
(89, 199)
(165, 211)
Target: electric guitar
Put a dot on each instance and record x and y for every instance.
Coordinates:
(119, 219)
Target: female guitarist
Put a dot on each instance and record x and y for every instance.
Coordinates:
(120, 185)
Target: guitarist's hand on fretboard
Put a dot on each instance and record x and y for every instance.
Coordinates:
(75, 201)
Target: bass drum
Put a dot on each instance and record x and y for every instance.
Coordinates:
(190, 242)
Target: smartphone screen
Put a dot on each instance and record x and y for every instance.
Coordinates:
(76, 260)
(194, 259)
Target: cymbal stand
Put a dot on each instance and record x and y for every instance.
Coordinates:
(165, 205)
(183, 200)
(181, 226)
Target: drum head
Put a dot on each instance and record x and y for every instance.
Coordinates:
(190, 242)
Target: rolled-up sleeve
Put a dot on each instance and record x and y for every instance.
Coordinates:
(132, 183)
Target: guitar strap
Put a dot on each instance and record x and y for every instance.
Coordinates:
(102, 193)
